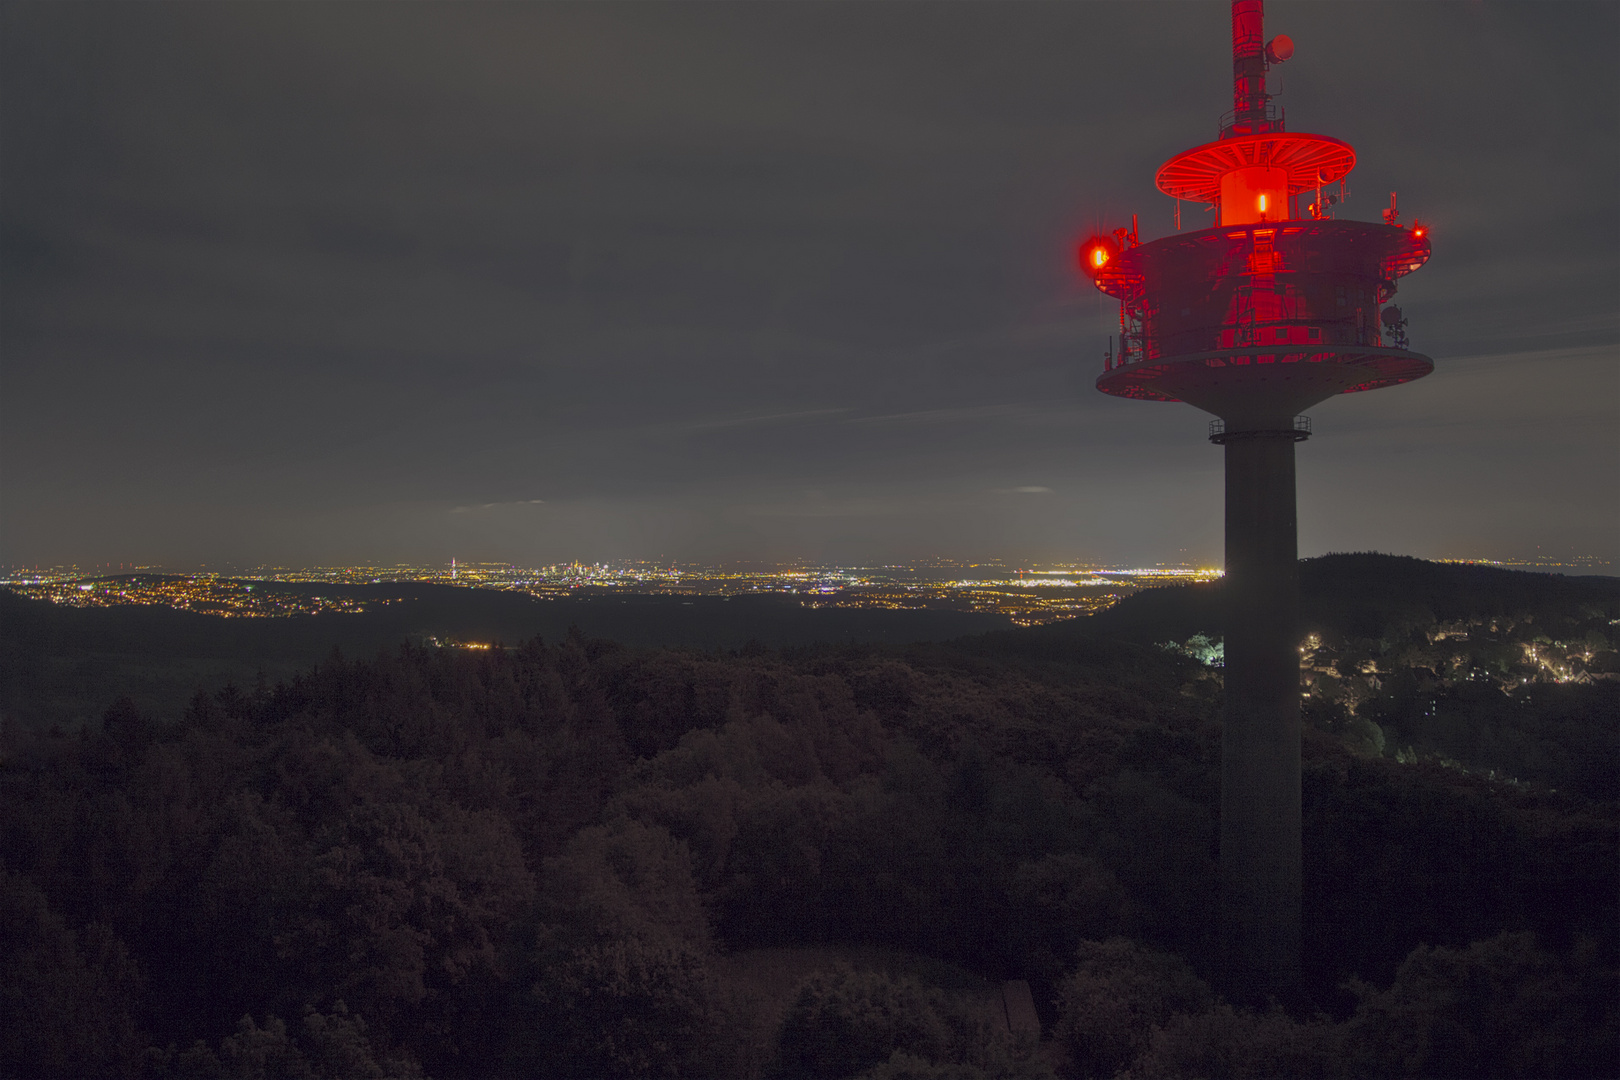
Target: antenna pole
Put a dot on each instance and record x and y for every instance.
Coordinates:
(1249, 95)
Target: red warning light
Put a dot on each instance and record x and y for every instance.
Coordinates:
(1419, 230)
(1096, 253)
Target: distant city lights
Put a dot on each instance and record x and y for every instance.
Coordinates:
(1027, 596)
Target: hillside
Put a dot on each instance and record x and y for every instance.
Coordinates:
(61, 665)
(575, 858)
(1379, 597)
(1506, 673)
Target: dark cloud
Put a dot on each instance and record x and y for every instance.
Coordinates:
(347, 282)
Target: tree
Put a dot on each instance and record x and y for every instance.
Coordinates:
(1119, 992)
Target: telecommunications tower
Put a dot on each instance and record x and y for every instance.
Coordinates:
(1275, 309)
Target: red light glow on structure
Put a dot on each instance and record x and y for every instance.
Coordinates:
(1270, 311)
(1095, 255)
(1256, 319)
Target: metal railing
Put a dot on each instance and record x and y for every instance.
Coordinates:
(1271, 118)
(1131, 351)
(1299, 432)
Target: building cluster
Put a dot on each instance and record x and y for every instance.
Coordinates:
(1503, 653)
(201, 593)
(1028, 596)
(1546, 564)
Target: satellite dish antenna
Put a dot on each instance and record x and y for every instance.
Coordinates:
(1280, 48)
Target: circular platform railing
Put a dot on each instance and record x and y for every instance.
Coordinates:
(1299, 432)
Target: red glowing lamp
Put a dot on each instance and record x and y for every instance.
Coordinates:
(1096, 254)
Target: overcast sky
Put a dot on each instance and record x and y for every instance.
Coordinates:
(343, 283)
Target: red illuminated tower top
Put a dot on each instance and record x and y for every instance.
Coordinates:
(1272, 310)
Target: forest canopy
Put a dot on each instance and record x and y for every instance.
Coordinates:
(574, 858)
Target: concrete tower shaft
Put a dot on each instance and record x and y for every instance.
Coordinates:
(1260, 833)
(1255, 320)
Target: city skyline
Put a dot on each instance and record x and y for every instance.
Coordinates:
(320, 286)
(1028, 594)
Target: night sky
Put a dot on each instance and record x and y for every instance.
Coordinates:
(354, 283)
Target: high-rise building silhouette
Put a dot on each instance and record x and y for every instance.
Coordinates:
(1276, 308)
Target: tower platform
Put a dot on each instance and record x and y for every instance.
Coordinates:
(1257, 322)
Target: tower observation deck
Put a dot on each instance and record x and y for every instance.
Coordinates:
(1277, 308)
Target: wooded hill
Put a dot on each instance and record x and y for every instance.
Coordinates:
(574, 858)
(62, 665)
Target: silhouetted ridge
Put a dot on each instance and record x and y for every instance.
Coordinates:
(1357, 595)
